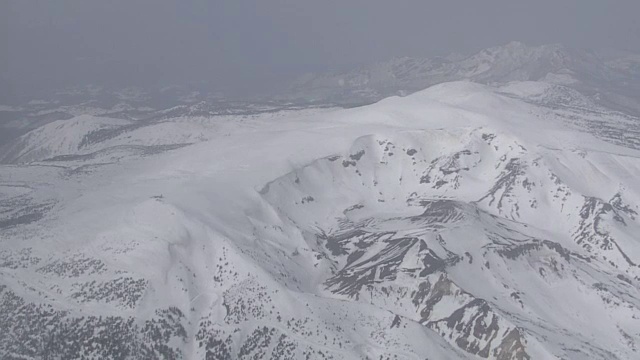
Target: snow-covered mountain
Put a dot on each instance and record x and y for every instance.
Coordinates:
(462, 221)
(615, 80)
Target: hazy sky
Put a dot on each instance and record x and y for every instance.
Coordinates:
(48, 43)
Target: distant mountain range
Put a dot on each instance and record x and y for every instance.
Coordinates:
(611, 80)
(614, 81)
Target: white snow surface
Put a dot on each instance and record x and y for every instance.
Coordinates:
(462, 221)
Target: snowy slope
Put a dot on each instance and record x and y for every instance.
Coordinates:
(58, 138)
(462, 221)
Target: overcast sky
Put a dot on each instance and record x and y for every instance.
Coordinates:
(48, 43)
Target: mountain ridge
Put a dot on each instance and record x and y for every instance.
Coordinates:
(424, 226)
(514, 61)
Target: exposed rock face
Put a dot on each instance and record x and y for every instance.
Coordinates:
(409, 260)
